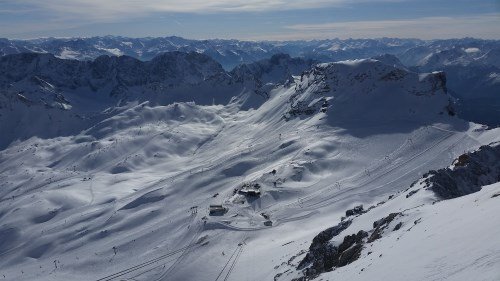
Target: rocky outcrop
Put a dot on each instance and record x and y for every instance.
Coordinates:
(380, 225)
(322, 255)
(358, 210)
(277, 70)
(468, 173)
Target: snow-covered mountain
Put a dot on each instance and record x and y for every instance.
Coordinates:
(67, 96)
(473, 71)
(472, 65)
(229, 53)
(279, 69)
(107, 176)
(172, 70)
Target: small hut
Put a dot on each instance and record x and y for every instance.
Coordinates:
(217, 210)
(250, 192)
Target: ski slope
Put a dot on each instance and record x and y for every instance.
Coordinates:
(114, 201)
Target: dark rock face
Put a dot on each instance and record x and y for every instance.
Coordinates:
(398, 226)
(277, 69)
(380, 225)
(168, 68)
(358, 210)
(350, 249)
(469, 173)
(322, 255)
(411, 193)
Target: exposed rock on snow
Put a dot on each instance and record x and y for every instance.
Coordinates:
(468, 173)
(323, 256)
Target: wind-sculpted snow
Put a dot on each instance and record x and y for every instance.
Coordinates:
(126, 192)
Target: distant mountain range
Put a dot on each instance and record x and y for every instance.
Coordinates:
(229, 53)
(472, 65)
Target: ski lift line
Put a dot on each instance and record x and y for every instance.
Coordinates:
(370, 168)
(289, 219)
(184, 253)
(441, 129)
(150, 262)
(142, 265)
(322, 202)
(228, 261)
(393, 168)
(234, 263)
(146, 271)
(325, 203)
(377, 162)
(210, 139)
(147, 190)
(91, 190)
(315, 194)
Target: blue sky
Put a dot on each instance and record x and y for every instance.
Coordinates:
(252, 19)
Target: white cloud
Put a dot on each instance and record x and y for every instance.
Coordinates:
(484, 26)
(113, 9)
(60, 15)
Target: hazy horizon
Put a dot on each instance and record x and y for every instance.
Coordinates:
(244, 40)
(274, 20)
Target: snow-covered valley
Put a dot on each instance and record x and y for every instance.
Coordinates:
(116, 182)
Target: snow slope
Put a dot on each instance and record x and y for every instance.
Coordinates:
(63, 97)
(113, 200)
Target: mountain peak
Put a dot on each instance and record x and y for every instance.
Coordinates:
(364, 89)
(193, 67)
